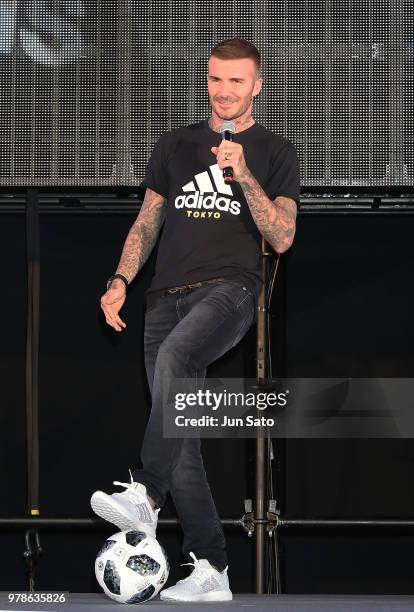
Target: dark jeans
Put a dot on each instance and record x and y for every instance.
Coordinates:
(184, 333)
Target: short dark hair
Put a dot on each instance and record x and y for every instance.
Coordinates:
(237, 48)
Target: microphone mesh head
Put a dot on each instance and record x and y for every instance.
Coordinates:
(227, 126)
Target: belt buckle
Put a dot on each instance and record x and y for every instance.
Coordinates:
(181, 288)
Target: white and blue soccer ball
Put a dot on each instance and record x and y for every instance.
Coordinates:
(131, 567)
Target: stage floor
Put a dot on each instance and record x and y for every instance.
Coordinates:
(94, 602)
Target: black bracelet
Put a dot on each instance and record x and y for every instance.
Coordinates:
(112, 278)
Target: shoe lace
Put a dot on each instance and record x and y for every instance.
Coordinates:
(130, 487)
(199, 573)
(131, 492)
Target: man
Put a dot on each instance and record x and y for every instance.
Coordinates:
(204, 292)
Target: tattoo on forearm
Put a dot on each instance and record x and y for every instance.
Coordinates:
(142, 235)
(276, 220)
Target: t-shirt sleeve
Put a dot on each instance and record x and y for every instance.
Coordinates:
(284, 179)
(156, 173)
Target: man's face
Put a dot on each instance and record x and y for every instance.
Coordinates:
(232, 84)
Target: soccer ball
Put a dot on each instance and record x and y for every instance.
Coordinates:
(131, 567)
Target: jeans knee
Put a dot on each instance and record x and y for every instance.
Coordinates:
(170, 359)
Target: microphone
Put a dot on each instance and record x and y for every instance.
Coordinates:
(227, 129)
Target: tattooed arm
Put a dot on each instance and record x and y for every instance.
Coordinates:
(276, 220)
(142, 235)
(138, 245)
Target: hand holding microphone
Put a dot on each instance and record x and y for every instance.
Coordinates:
(227, 129)
(230, 156)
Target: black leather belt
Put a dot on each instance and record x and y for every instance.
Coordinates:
(181, 288)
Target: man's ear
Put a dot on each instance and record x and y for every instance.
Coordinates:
(257, 87)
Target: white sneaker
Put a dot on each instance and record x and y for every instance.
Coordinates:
(205, 583)
(130, 509)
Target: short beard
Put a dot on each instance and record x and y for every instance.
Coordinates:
(240, 114)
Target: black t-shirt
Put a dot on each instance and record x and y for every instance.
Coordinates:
(209, 231)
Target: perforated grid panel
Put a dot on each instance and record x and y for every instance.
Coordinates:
(87, 86)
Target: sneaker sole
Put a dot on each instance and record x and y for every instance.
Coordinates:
(107, 508)
(213, 596)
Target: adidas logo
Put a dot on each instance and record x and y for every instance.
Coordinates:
(143, 513)
(212, 203)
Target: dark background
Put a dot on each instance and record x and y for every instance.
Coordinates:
(345, 290)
